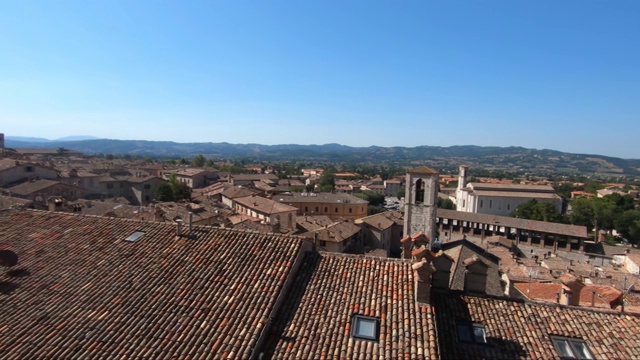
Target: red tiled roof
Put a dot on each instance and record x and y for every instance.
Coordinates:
(422, 170)
(81, 290)
(317, 318)
(522, 330)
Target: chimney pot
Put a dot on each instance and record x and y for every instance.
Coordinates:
(179, 227)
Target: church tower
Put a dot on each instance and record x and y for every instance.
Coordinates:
(421, 195)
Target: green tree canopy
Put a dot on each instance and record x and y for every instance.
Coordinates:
(628, 225)
(446, 204)
(373, 198)
(326, 182)
(198, 160)
(538, 210)
(164, 193)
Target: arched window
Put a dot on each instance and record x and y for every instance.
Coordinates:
(419, 191)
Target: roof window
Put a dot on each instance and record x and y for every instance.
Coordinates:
(365, 328)
(471, 333)
(135, 236)
(571, 348)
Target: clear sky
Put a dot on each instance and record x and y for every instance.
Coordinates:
(561, 75)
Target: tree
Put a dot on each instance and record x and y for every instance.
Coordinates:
(596, 213)
(628, 225)
(538, 210)
(446, 204)
(401, 193)
(179, 189)
(198, 160)
(164, 193)
(61, 151)
(373, 198)
(326, 182)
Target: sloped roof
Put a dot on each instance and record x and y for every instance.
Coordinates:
(31, 187)
(84, 291)
(519, 330)
(234, 192)
(533, 225)
(338, 231)
(316, 318)
(422, 170)
(264, 205)
(462, 250)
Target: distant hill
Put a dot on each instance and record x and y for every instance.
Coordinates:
(442, 158)
(77, 138)
(43, 140)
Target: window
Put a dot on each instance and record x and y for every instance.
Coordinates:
(135, 236)
(29, 169)
(323, 243)
(317, 209)
(365, 328)
(490, 203)
(350, 210)
(336, 209)
(326, 209)
(508, 206)
(109, 186)
(571, 348)
(481, 203)
(419, 191)
(471, 333)
(147, 186)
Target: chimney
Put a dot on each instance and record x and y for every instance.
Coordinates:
(190, 220)
(406, 247)
(423, 271)
(179, 227)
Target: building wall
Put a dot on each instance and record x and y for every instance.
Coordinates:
(144, 192)
(26, 171)
(68, 192)
(391, 188)
(496, 205)
(333, 210)
(287, 220)
(90, 184)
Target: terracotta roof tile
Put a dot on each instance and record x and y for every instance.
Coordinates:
(519, 330)
(86, 292)
(316, 320)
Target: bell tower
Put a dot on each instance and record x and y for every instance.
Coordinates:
(421, 195)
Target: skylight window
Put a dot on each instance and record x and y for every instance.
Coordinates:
(471, 333)
(135, 236)
(571, 348)
(365, 328)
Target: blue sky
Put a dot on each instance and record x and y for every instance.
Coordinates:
(562, 75)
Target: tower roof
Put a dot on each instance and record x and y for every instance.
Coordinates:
(422, 170)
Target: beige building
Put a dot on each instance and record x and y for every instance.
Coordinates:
(339, 236)
(268, 211)
(332, 205)
(39, 190)
(13, 171)
(193, 177)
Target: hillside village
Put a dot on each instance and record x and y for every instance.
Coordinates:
(255, 265)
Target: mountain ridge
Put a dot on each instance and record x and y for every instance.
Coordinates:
(511, 158)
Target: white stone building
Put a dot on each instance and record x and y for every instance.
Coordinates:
(499, 199)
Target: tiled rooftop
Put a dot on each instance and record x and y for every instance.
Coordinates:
(81, 290)
(316, 320)
(521, 330)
